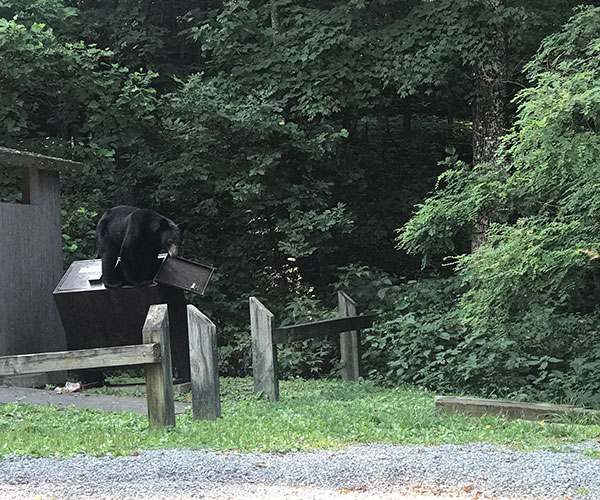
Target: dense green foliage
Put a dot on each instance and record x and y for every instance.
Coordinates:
(529, 311)
(295, 137)
(347, 414)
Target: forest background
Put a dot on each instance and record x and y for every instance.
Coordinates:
(436, 159)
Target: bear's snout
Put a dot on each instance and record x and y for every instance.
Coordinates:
(173, 250)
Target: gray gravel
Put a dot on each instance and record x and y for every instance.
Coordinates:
(369, 472)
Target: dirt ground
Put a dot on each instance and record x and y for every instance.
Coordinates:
(78, 399)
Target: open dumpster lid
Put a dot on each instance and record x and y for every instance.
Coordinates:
(184, 274)
(86, 275)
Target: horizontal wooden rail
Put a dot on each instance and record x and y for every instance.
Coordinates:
(265, 339)
(80, 359)
(304, 331)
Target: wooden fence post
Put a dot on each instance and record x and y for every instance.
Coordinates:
(264, 351)
(159, 378)
(349, 341)
(204, 366)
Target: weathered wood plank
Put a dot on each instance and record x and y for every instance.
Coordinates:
(30, 266)
(264, 351)
(204, 366)
(159, 377)
(349, 341)
(26, 159)
(286, 334)
(31, 188)
(508, 409)
(79, 360)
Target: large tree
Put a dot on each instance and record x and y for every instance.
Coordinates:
(489, 114)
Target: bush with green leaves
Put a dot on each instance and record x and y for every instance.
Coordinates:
(417, 330)
(529, 309)
(422, 336)
(79, 234)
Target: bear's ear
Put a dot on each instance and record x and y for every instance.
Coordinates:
(163, 224)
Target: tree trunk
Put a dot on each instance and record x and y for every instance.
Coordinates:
(275, 16)
(489, 118)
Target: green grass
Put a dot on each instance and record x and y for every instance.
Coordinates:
(311, 415)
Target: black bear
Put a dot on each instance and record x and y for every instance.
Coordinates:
(129, 240)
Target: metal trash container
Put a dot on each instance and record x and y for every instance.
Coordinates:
(95, 316)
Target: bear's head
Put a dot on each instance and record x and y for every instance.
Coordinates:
(170, 237)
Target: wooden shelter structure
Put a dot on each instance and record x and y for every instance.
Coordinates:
(31, 259)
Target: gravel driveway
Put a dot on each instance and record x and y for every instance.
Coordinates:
(377, 471)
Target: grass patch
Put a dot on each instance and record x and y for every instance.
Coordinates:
(311, 415)
(135, 376)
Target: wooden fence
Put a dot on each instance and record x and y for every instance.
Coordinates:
(265, 339)
(155, 355)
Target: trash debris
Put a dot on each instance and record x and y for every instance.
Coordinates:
(69, 387)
